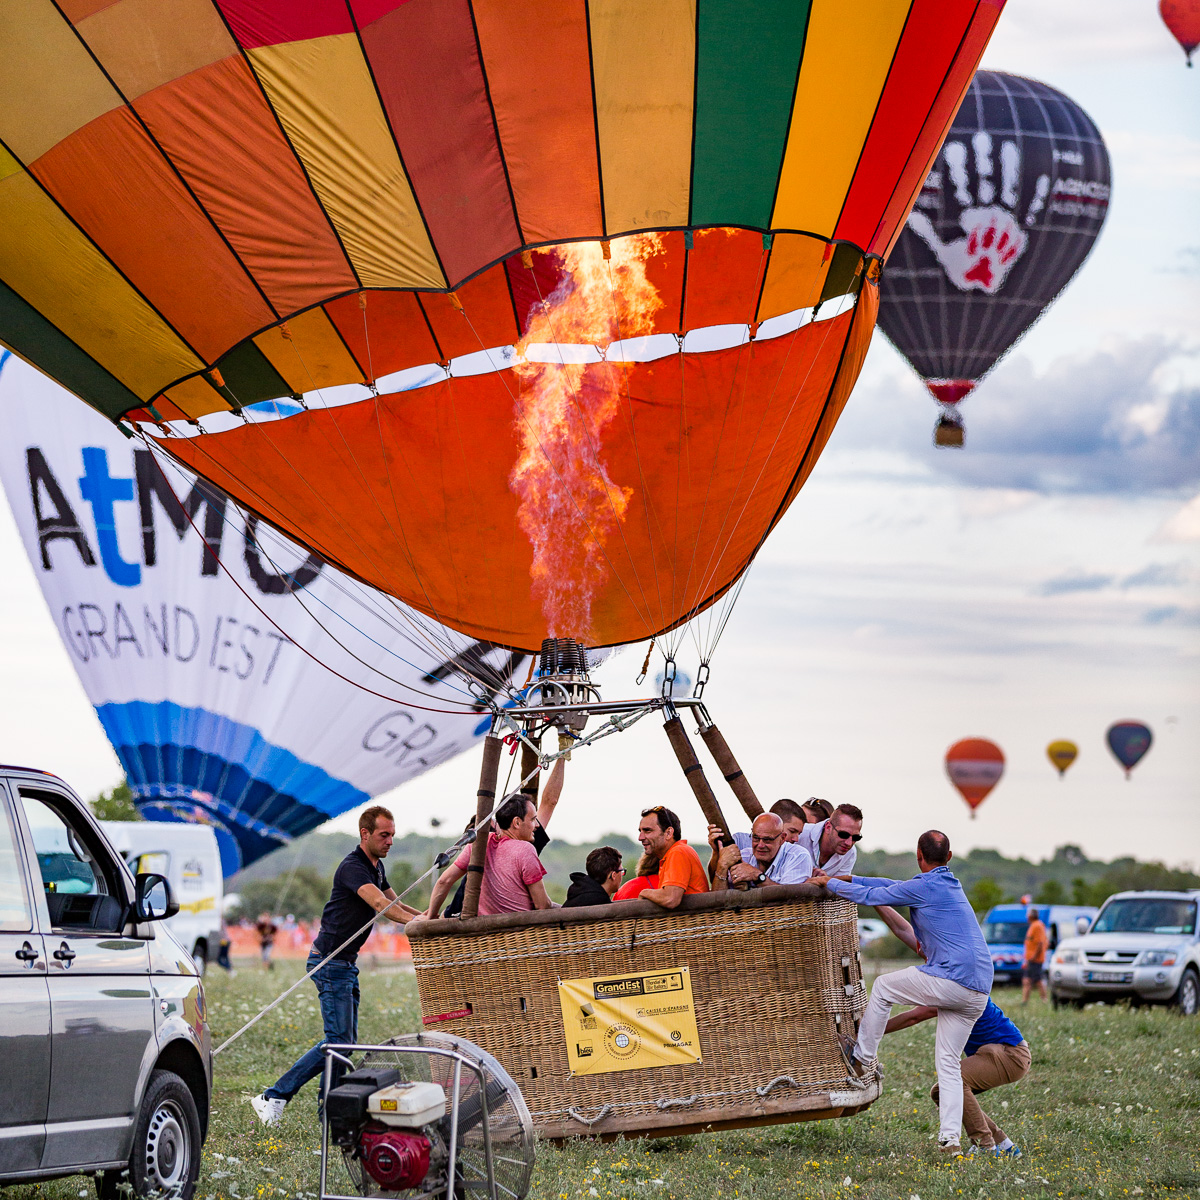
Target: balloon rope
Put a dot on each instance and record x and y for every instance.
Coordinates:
(303, 650)
(334, 580)
(468, 836)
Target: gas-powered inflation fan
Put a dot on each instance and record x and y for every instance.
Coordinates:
(423, 1115)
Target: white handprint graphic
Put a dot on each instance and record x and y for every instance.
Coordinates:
(992, 239)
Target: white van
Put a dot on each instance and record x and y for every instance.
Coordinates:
(188, 856)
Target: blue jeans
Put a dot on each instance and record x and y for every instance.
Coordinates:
(337, 987)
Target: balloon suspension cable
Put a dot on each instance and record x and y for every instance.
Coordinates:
(645, 664)
(511, 725)
(262, 612)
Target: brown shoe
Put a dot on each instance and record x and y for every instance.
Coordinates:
(855, 1065)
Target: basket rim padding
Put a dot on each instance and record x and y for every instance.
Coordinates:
(422, 927)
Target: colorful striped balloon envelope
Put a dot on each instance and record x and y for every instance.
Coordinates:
(564, 298)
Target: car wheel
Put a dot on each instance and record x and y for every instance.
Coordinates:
(166, 1146)
(1187, 997)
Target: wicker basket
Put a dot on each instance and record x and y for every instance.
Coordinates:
(775, 975)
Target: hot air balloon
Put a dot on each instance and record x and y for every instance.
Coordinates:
(974, 766)
(1182, 18)
(186, 621)
(1010, 211)
(643, 281)
(1062, 754)
(535, 317)
(1129, 741)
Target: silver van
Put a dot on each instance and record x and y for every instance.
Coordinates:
(105, 1057)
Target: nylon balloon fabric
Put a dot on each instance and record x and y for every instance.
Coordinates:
(192, 629)
(569, 295)
(1013, 206)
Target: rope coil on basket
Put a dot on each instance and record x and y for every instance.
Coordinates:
(778, 1081)
(682, 1102)
(590, 1121)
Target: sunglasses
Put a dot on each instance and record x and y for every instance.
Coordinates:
(755, 838)
(658, 808)
(847, 837)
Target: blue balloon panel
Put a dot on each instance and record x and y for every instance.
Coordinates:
(187, 764)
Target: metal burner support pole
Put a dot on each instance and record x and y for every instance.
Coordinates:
(485, 800)
(529, 765)
(728, 766)
(694, 773)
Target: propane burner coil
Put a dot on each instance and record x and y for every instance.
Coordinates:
(562, 656)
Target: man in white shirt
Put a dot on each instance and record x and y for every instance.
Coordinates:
(760, 857)
(832, 844)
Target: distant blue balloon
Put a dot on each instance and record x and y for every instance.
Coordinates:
(1129, 741)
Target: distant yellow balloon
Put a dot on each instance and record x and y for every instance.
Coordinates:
(1062, 755)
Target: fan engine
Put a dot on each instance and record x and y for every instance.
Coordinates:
(389, 1126)
(426, 1115)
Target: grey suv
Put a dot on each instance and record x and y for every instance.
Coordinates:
(105, 1061)
(1144, 946)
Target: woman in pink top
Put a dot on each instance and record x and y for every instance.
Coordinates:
(513, 873)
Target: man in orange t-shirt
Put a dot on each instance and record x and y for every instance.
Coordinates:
(1037, 940)
(680, 872)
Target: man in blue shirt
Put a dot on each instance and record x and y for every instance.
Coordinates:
(996, 1053)
(956, 978)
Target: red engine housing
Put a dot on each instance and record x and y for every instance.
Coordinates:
(393, 1158)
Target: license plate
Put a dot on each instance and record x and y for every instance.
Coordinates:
(1110, 977)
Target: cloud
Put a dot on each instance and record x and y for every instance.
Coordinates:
(1066, 584)
(1033, 35)
(1156, 575)
(1184, 526)
(1161, 575)
(1124, 419)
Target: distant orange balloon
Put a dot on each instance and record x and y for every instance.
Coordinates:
(974, 766)
(1182, 18)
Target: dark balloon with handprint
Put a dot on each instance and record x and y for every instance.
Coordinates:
(1129, 741)
(1009, 212)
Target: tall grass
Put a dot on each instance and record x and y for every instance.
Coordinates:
(1111, 1109)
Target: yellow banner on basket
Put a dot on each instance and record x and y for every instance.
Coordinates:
(629, 1022)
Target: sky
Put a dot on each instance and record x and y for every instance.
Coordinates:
(1040, 583)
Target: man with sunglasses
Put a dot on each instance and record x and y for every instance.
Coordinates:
(832, 844)
(759, 857)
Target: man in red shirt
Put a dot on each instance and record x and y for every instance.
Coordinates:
(512, 874)
(680, 872)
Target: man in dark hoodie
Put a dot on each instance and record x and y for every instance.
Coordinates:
(604, 875)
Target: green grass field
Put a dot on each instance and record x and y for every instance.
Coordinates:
(1110, 1109)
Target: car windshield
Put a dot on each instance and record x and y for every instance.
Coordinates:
(1004, 933)
(1147, 915)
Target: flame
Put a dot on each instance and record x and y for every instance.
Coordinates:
(569, 507)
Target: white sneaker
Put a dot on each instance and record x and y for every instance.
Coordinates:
(269, 1109)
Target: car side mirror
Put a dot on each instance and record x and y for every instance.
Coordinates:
(153, 900)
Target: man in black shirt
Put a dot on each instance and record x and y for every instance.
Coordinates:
(360, 890)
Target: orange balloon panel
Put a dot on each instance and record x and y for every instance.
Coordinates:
(974, 766)
(416, 492)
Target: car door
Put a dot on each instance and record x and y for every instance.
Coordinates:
(24, 1009)
(101, 1008)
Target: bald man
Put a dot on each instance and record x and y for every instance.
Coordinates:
(762, 856)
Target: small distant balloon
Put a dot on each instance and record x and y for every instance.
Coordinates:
(974, 766)
(1062, 755)
(1129, 741)
(1182, 18)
